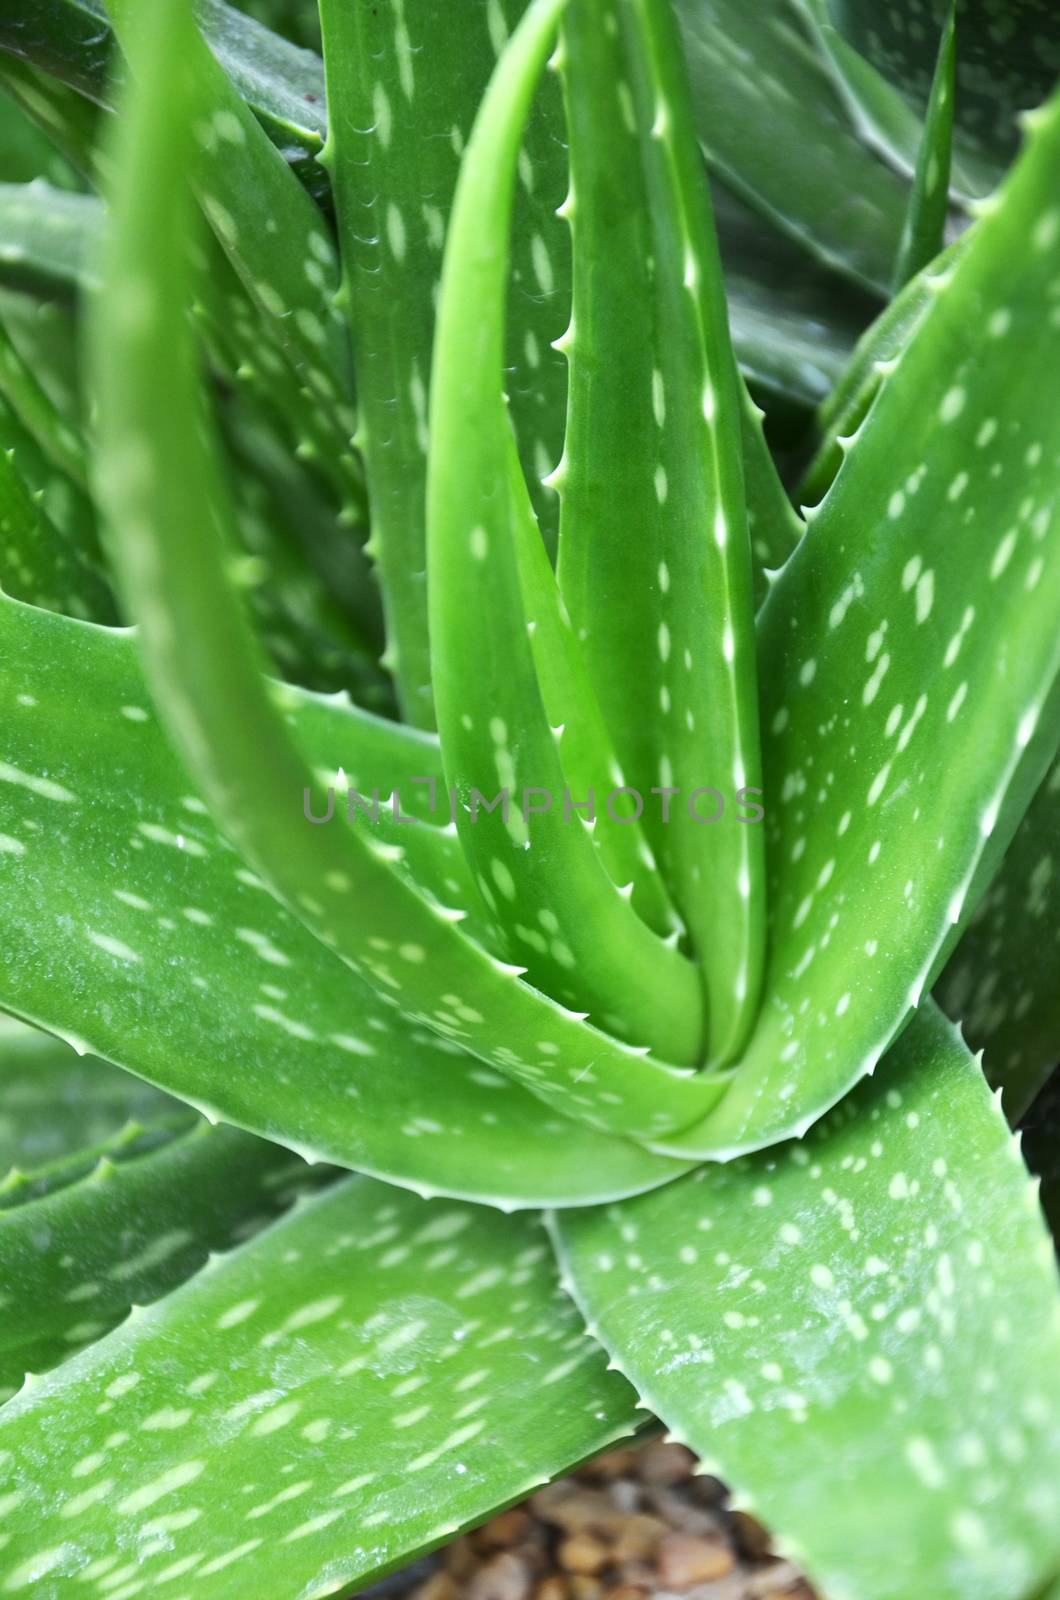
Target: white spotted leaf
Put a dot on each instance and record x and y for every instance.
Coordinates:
(74, 1260)
(171, 523)
(563, 916)
(652, 490)
(925, 220)
(148, 941)
(908, 660)
(858, 1331)
(403, 88)
(54, 1102)
(793, 154)
(362, 1380)
(1000, 983)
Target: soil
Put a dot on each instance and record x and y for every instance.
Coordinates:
(634, 1524)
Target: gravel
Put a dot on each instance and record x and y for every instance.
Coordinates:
(635, 1524)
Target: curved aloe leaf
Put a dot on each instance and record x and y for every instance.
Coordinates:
(403, 89)
(793, 163)
(170, 521)
(1041, 1149)
(54, 1102)
(1000, 982)
(147, 943)
(564, 917)
(1009, 60)
(240, 174)
(885, 120)
(795, 1306)
(48, 236)
(60, 438)
(929, 652)
(846, 407)
(38, 562)
(72, 40)
(75, 1260)
(133, 1140)
(26, 152)
(925, 218)
(421, 1356)
(653, 491)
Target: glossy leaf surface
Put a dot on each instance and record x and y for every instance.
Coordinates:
(850, 1302)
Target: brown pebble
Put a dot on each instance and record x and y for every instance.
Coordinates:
(504, 1577)
(552, 1588)
(666, 1463)
(613, 1464)
(583, 1510)
(583, 1587)
(582, 1553)
(638, 1538)
(506, 1529)
(628, 1591)
(684, 1559)
(751, 1538)
(439, 1586)
(460, 1558)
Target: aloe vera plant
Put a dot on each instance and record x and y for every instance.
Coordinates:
(493, 881)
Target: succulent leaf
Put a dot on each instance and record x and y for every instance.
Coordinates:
(652, 487)
(292, 272)
(170, 518)
(397, 131)
(72, 41)
(1008, 63)
(802, 165)
(76, 1259)
(419, 1357)
(38, 562)
(147, 943)
(844, 410)
(912, 624)
(49, 236)
(794, 1306)
(925, 220)
(1000, 983)
(563, 916)
(54, 1102)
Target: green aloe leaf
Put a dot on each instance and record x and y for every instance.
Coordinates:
(1000, 982)
(294, 277)
(73, 1261)
(59, 437)
(54, 1102)
(131, 1141)
(800, 1306)
(38, 561)
(960, 597)
(419, 1358)
(148, 942)
(1041, 1149)
(403, 89)
(26, 152)
(1009, 60)
(652, 489)
(170, 523)
(925, 219)
(793, 323)
(68, 122)
(846, 407)
(885, 120)
(802, 164)
(48, 236)
(71, 39)
(578, 935)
